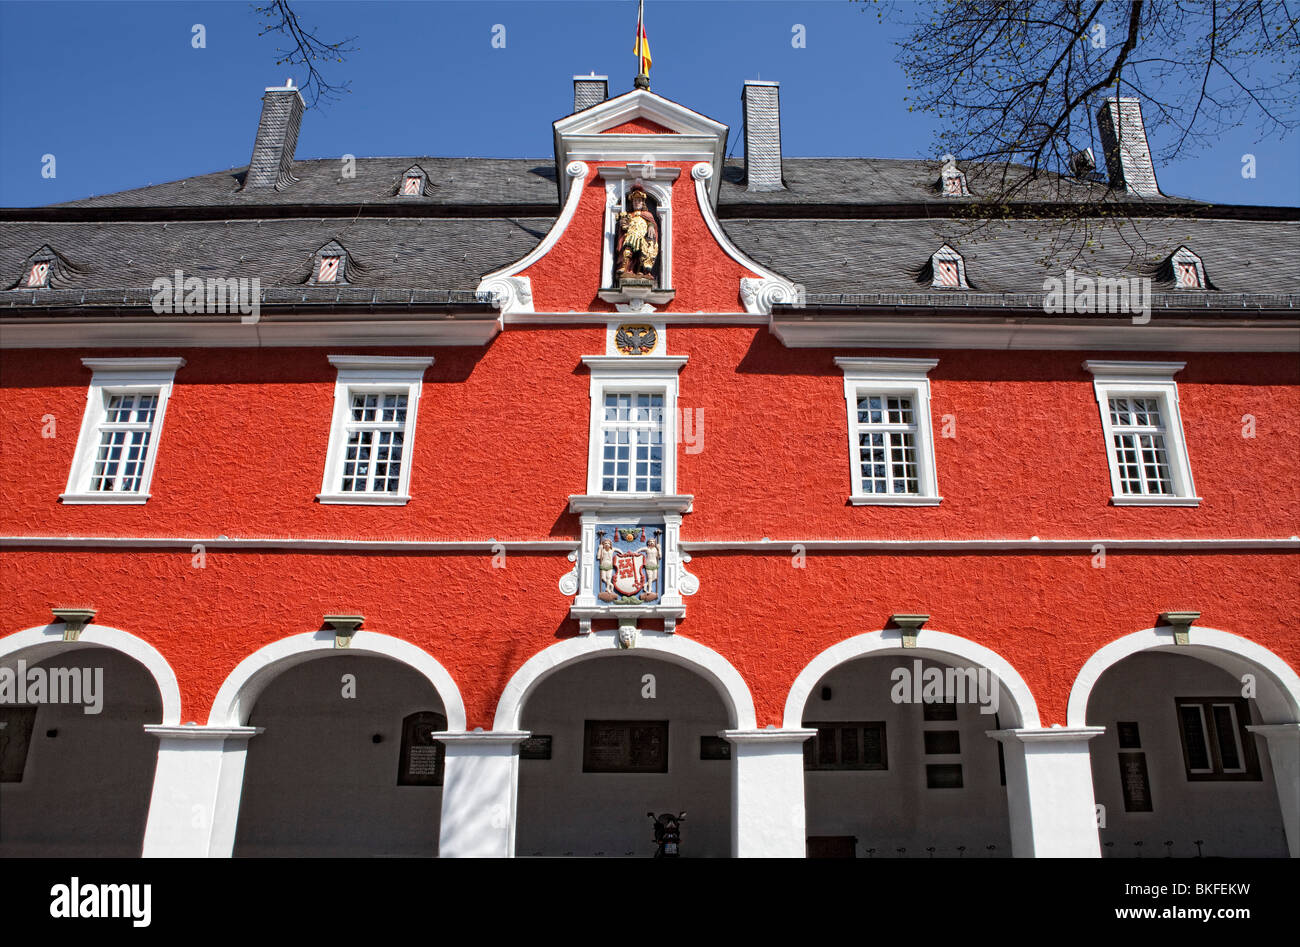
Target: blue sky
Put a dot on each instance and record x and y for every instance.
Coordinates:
(121, 98)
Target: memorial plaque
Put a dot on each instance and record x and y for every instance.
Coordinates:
(938, 712)
(942, 741)
(536, 747)
(15, 738)
(715, 748)
(1128, 735)
(423, 759)
(943, 776)
(1134, 781)
(625, 746)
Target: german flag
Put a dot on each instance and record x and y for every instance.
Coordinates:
(642, 48)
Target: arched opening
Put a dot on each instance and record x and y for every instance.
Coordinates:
(901, 765)
(76, 764)
(1177, 772)
(346, 765)
(614, 736)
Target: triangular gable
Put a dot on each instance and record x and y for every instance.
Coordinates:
(629, 126)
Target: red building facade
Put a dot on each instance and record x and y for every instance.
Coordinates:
(1130, 611)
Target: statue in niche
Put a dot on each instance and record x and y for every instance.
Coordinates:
(637, 245)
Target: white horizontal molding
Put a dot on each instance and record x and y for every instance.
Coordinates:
(780, 547)
(635, 364)
(886, 367)
(364, 499)
(407, 365)
(193, 731)
(168, 366)
(1122, 371)
(106, 498)
(1153, 499)
(894, 499)
(630, 504)
(32, 333)
(939, 333)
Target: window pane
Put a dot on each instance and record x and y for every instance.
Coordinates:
(1198, 750)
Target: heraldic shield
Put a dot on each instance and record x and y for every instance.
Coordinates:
(629, 558)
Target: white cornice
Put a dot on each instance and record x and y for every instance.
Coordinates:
(634, 364)
(34, 333)
(193, 731)
(1120, 370)
(796, 332)
(777, 547)
(411, 364)
(134, 364)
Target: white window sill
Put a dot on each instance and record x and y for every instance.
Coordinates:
(135, 499)
(364, 499)
(894, 499)
(1137, 499)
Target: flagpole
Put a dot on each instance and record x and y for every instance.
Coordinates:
(642, 80)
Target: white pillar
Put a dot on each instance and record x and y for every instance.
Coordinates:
(1284, 754)
(196, 789)
(767, 807)
(1049, 791)
(479, 790)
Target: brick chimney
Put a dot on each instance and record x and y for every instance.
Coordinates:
(1124, 140)
(277, 138)
(762, 109)
(589, 90)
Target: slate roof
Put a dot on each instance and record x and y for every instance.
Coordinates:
(480, 214)
(531, 181)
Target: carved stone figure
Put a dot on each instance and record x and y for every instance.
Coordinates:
(605, 558)
(651, 570)
(637, 246)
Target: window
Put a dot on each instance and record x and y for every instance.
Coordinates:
(39, 274)
(330, 266)
(633, 447)
(118, 443)
(376, 400)
(329, 269)
(891, 445)
(625, 746)
(1188, 270)
(1216, 744)
(1143, 432)
(858, 745)
(947, 269)
(412, 184)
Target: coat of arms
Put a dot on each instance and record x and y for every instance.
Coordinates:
(629, 558)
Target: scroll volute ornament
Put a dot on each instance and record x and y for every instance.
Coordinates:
(637, 245)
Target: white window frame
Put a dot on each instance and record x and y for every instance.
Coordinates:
(1184, 255)
(371, 374)
(908, 377)
(113, 376)
(947, 253)
(1145, 380)
(644, 374)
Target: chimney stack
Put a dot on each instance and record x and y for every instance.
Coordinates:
(762, 109)
(589, 90)
(1124, 140)
(277, 138)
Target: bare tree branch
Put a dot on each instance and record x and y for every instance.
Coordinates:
(305, 49)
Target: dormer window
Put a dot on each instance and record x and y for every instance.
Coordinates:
(1188, 271)
(948, 269)
(329, 270)
(952, 180)
(39, 275)
(330, 266)
(412, 182)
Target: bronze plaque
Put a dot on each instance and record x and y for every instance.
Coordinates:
(1134, 781)
(536, 747)
(625, 746)
(15, 738)
(423, 758)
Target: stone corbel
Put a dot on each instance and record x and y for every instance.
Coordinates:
(910, 625)
(1181, 622)
(344, 627)
(74, 621)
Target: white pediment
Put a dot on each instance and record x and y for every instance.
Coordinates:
(585, 136)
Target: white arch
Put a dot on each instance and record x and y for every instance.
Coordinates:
(44, 641)
(238, 693)
(1278, 703)
(935, 645)
(672, 648)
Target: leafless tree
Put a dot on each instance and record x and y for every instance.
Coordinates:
(304, 48)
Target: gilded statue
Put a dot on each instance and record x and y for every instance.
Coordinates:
(638, 239)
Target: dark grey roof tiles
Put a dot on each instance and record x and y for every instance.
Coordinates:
(401, 253)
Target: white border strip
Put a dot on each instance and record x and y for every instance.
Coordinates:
(776, 547)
